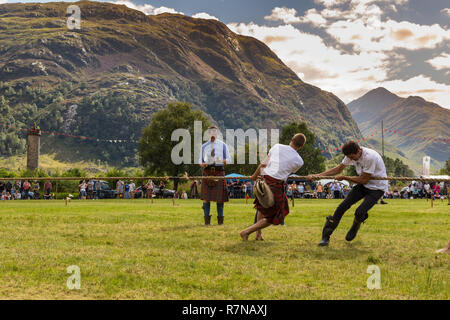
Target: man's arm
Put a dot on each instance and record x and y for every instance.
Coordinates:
(336, 170)
(363, 179)
(261, 166)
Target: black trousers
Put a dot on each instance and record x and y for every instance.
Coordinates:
(357, 193)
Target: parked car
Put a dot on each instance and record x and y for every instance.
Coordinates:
(105, 191)
(167, 193)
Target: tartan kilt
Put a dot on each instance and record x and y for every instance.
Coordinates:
(217, 192)
(275, 214)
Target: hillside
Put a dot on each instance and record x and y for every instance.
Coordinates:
(413, 116)
(123, 65)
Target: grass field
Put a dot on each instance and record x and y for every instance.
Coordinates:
(131, 249)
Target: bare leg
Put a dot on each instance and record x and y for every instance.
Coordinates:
(259, 232)
(261, 224)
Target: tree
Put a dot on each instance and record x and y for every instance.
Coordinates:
(314, 162)
(155, 145)
(446, 169)
(245, 169)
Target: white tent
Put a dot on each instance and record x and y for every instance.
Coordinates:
(436, 177)
(325, 181)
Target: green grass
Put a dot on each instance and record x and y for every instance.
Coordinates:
(137, 250)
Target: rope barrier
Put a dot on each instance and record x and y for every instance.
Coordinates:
(186, 177)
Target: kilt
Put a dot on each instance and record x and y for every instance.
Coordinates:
(280, 209)
(215, 191)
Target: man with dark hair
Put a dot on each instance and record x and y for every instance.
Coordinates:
(214, 155)
(368, 163)
(281, 161)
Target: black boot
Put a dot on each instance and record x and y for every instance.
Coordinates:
(219, 220)
(207, 220)
(351, 234)
(328, 229)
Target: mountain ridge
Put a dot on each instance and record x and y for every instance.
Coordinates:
(145, 62)
(413, 116)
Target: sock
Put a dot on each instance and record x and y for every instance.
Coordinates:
(206, 207)
(220, 209)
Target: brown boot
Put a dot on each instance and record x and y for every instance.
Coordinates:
(219, 220)
(207, 220)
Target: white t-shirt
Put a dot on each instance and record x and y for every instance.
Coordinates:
(283, 160)
(370, 162)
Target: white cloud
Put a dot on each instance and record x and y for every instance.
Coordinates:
(350, 75)
(446, 11)
(165, 10)
(287, 15)
(336, 3)
(440, 62)
(421, 86)
(347, 75)
(146, 8)
(204, 15)
(3, 1)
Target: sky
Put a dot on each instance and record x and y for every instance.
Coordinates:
(347, 47)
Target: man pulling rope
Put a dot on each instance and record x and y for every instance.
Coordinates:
(368, 163)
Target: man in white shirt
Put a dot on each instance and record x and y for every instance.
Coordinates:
(281, 161)
(368, 163)
(214, 155)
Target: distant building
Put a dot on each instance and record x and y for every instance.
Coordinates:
(426, 166)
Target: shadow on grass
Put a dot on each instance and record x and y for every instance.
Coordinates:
(251, 248)
(180, 227)
(350, 251)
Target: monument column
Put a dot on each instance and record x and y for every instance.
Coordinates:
(33, 149)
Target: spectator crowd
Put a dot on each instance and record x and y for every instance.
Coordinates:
(237, 189)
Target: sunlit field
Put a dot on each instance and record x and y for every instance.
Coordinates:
(133, 249)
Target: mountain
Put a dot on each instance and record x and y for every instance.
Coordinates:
(106, 80)
(413, 115)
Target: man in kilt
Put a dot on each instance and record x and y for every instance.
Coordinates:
(214, 155)
(281, 161)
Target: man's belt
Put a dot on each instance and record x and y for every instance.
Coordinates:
(215, 168)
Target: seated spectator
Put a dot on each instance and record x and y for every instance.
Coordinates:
(8, 187)
(126, 188)
(319, 191)
(26, 190)
(436, 190)
(47, 190)
(17, 195)
(36, 191)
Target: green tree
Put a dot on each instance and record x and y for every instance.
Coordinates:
(446, 169)
(314, 162)
(246, 169)
(155, 145)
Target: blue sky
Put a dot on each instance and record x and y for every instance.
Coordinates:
(347, 47)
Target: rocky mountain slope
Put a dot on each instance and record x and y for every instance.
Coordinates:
(106, 79)
(413, 116)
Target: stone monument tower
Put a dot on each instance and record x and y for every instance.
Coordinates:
(34, 144)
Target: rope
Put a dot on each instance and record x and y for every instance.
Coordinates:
(186, 177)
